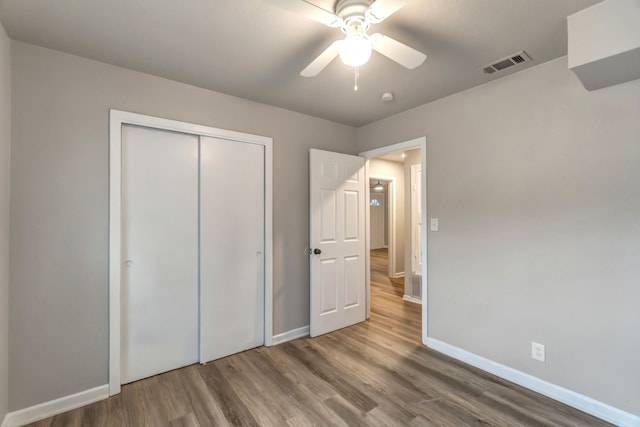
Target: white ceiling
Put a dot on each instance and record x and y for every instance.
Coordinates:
(397, 156)
(254, 50)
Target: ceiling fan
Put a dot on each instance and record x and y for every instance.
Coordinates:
(355, 18)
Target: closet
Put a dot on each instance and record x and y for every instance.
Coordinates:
(192, 272)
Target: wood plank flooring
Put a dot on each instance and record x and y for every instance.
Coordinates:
(373, 374)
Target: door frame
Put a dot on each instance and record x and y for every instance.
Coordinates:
(117, 119)
(420, 143)
(391, 217)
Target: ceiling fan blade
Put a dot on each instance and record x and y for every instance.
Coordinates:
(382, 9)
(322, 60)
(310, 11)
(404, 55)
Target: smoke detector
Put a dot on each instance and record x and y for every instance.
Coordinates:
(387, 97)
(510, 61)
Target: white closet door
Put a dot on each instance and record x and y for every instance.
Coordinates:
(160, 252)
(231, 247)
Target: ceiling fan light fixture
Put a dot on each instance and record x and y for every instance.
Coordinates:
(355, 18)
(355, 50)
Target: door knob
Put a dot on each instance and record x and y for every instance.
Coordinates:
(317, 251)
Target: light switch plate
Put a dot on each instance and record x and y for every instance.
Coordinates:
(434, 224)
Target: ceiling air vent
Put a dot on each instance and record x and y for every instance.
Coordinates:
(511, 60)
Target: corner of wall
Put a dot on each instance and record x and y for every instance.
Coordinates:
(5, 144)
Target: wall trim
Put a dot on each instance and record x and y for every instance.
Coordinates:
(412, 299)
(555, 392)
(290, 335)
(55, 407)
(398, 275)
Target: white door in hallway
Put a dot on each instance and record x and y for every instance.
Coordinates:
(416, 218)
(337, 239)
(159, 293)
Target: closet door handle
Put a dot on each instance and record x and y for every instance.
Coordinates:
(317, 251)
(128, 263)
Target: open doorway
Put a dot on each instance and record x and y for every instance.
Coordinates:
(397, 240)
(386, 263)
(383, 227)
(379, 213)
(395, 221)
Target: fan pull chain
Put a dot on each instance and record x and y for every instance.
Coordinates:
(355, 87)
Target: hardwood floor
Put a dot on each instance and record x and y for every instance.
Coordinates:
(373, 374)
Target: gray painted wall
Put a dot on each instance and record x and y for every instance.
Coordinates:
(59, 319)
(380, 167)
(5, 144)
(536, 183)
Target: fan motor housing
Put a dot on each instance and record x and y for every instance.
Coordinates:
(347, 9)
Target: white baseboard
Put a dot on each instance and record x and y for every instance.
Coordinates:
(398, 275)
(291, 335)
(412, 299)
(55, 407)
(561, 394)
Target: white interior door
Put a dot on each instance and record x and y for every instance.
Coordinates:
(377, 218)
(337, 220)
(159, 296)
(232, 187)
(416, 218)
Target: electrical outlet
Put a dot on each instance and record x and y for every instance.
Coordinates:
(434, 224)
(537, 351)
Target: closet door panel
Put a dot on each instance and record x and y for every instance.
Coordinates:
(231, 247)
(159, 252)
